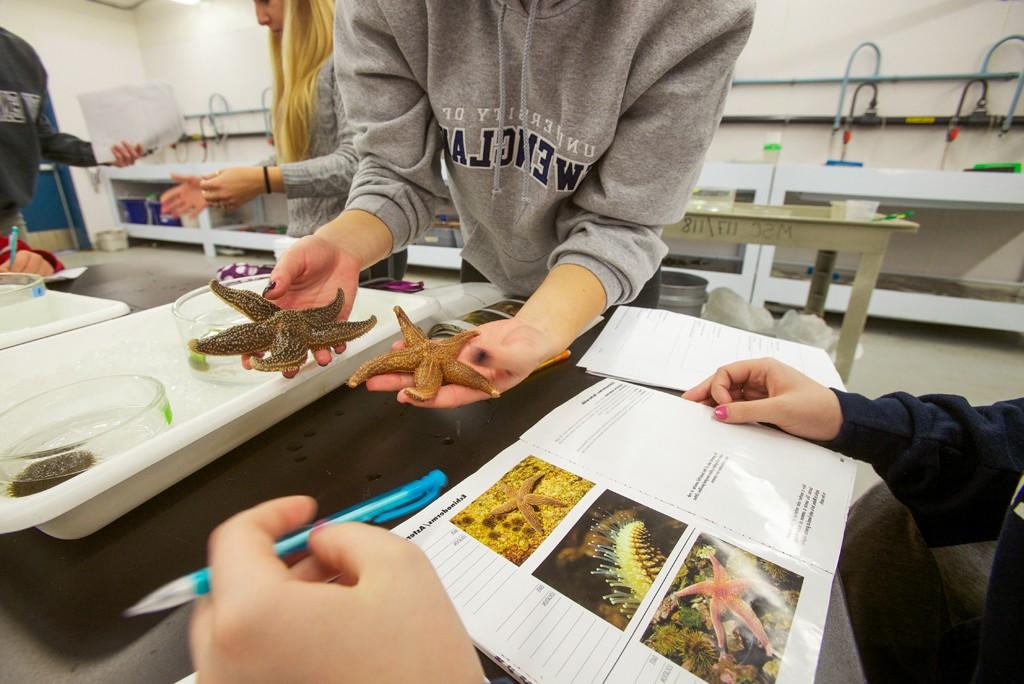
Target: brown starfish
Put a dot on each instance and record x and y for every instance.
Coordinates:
(726, 593)
(524, 499)
(288, 334)
(432, 361)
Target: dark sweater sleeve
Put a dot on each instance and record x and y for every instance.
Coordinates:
(62, 148)
(953, 465)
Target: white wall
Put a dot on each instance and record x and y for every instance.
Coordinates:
(84, 47)
(804, 38)
(214, 47)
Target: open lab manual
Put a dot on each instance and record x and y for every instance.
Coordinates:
(629, 537)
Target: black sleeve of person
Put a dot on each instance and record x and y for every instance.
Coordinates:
(953, 465)
(62, 148)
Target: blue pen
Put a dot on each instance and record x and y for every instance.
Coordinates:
(13, 245)
(387, 506)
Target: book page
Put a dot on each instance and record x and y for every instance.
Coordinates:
(668, 349)
(576, 555)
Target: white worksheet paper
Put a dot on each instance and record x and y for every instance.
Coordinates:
(757, 500)
(668, 349)
(146, 113)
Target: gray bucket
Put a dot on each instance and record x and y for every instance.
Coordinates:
(683, 292)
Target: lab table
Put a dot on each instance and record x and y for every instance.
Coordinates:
(809, 227)
(61, 600)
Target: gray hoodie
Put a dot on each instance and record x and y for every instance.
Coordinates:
(604, 110)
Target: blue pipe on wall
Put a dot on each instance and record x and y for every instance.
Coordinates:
(846, 78)
(1008, 121)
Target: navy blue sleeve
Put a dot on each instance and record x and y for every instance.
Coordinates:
(953, 465)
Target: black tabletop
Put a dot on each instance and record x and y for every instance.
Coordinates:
(61, 600)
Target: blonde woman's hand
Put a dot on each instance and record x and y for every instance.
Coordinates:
(384, 618)
(186, 198)
(768, 391)
(231, 188)
(309, 275)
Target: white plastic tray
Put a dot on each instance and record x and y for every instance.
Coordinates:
(54, 313)
(209, 419)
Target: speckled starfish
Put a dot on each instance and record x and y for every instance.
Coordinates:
(288, 334)
(432, 362)
(524, 499)
(726, 593)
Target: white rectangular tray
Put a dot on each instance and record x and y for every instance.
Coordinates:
(54, 313)
(209, 419)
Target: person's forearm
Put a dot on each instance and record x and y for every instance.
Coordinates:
(568, 299)
(360, 233)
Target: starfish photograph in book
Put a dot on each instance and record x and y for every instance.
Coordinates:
(515, 514)
(288, 334)
(432, 362)
(523, 499)
(727, 614)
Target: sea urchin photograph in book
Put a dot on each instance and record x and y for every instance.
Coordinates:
(671, 548)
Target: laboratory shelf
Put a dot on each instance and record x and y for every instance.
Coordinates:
(929, 293)
(212, 230)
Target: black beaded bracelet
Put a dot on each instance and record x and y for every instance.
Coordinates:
(266, 179)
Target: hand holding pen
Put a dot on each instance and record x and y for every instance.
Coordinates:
(385, 618)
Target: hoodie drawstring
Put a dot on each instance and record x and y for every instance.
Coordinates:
(500, 142)
(524, 78)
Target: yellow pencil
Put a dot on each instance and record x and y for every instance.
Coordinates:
(553, 360)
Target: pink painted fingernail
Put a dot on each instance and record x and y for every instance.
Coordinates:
(722, 412)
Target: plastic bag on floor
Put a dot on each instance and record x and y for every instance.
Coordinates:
(807, 329)
(728, 308)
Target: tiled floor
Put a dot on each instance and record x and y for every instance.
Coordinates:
(982, 365)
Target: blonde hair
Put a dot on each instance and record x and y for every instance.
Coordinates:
(296, 57)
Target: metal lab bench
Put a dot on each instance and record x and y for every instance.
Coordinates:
(808, 227)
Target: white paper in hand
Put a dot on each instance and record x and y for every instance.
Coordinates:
(146, 113)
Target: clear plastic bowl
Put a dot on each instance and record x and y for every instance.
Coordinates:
(16, 288)
(58, 434)
(199, 314)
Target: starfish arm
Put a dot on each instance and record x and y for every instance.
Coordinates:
(247, 338)
(504, 508)
(324, 315)
(738, 587)
(716, 567)
(451, 346)
(399, 361)
(705, 587)
(744, 612)
(428, 381)
(529, 483)
(245, 302)
(541, 500)
(531, 517)
(458, 373)
(333, 334)
(412, 334)
(288, 352)
(716, 621)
